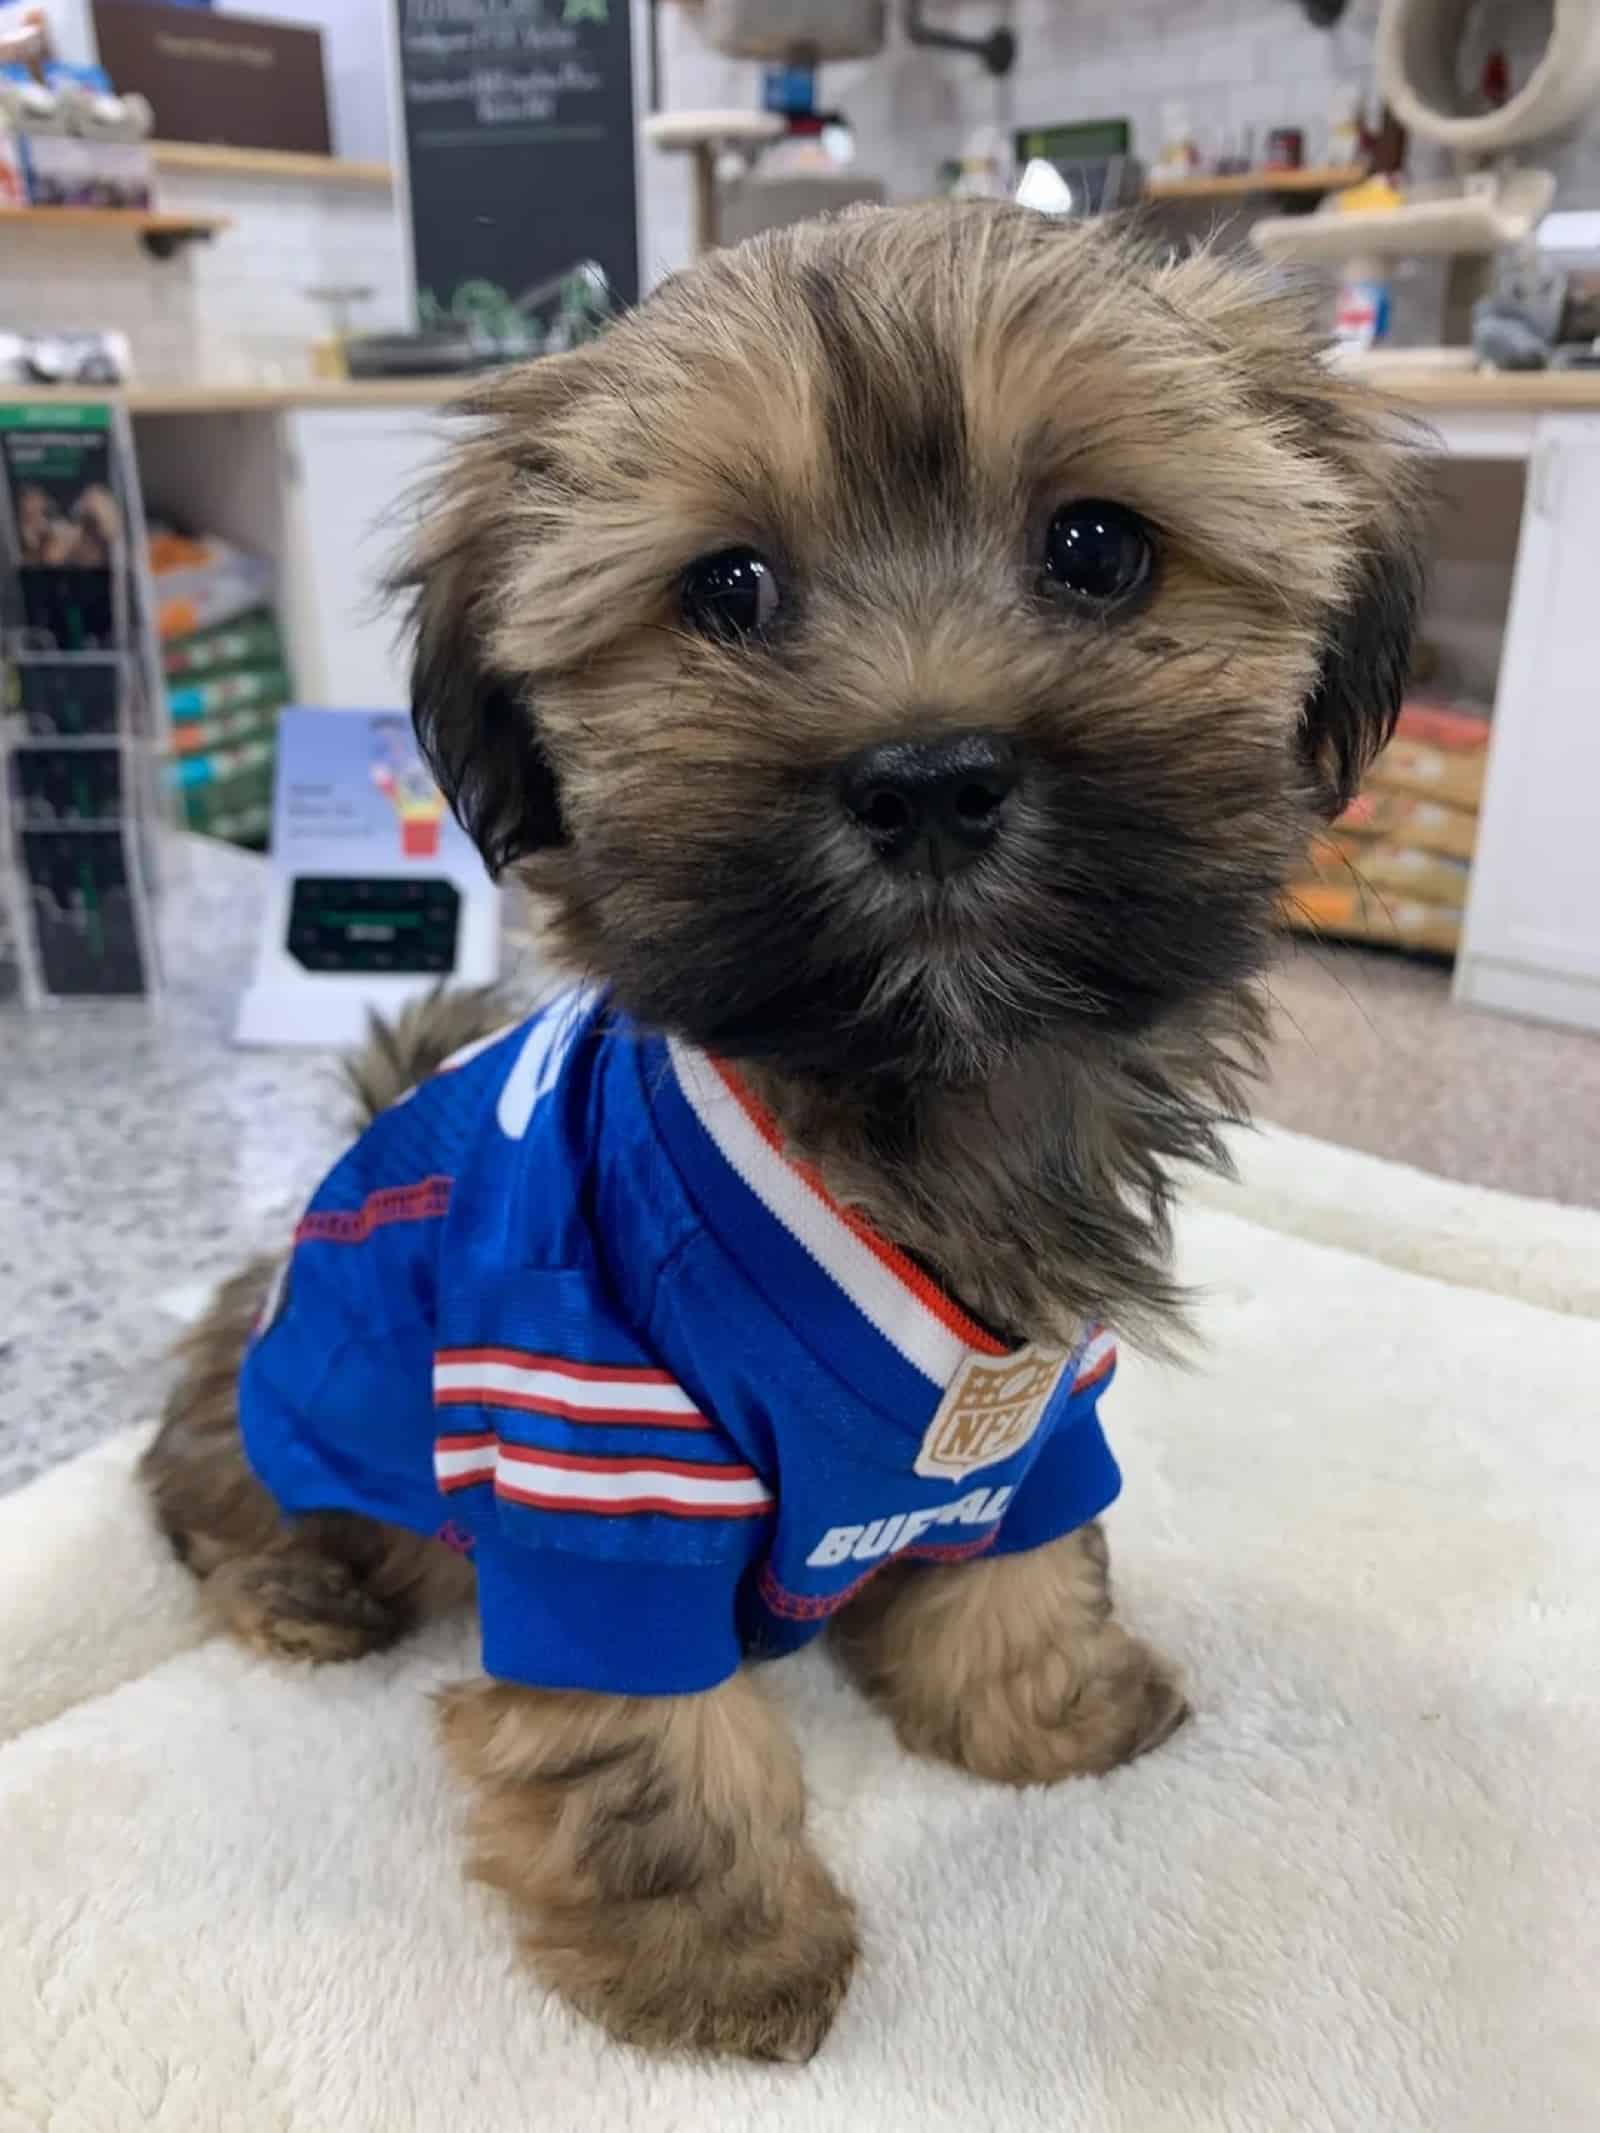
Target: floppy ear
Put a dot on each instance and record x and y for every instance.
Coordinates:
(480, 736)
(1376, 506)
(478, 726)
(1378, 459)
(1351, 712)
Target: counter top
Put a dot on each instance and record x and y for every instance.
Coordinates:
(1547, 391)
(198, 399)
(1422, 386)
(141, 1156)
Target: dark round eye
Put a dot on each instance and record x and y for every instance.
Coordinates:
(731, 594)
(1100, 553)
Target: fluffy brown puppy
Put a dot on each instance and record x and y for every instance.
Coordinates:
(904, 658)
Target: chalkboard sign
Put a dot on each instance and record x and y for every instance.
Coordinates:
(520, 146)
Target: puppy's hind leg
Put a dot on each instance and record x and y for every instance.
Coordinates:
(654, 1849)
(1012, 1668)
(333, 1586)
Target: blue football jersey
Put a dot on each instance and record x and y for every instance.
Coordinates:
(572, 1304)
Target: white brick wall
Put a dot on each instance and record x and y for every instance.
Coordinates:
(1233, 63)
(911, 109)
(238, 305)
(229, 309)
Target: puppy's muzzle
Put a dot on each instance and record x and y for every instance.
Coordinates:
(932, 807)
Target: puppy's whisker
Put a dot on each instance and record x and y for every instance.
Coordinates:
(1282, 1013)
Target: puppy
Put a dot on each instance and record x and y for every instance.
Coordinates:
(903, 658)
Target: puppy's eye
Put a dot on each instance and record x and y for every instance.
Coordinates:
(729, 595)
(1103, 554)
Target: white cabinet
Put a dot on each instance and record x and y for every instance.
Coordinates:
(346, 476)
(1532, 941)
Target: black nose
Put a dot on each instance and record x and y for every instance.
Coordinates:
(932, 806)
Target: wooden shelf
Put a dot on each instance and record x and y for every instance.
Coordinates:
(1330, 178)
(200, 159)
(1490, 390)
(161, 234)
(1437, 223)
(151, 397)
(1416, 384)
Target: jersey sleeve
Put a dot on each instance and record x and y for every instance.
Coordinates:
(1076, 1476)
(611, 1519)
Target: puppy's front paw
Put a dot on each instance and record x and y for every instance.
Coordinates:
(1073, 1712)
(1013, 1668)
(693, 1973)
(1130, 1705)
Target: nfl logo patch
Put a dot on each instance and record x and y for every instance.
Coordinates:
(992, 1407)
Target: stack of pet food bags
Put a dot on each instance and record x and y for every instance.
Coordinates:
(226, 680)
(1394, 867)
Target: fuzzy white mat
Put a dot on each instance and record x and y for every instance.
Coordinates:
(1361, 1890)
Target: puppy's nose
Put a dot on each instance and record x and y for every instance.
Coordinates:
(931, 806)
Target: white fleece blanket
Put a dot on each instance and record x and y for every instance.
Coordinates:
(1361, 1890)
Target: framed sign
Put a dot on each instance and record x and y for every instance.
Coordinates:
(228, 79)
(517, 118)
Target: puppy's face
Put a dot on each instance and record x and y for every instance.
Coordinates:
(913, 636)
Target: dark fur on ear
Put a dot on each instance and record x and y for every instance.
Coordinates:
(476, 726)
(482, 742)
(1379, 458)
(1351, 712)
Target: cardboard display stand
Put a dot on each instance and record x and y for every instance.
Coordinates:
(377, 894)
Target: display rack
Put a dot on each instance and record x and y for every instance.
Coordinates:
(82, 720)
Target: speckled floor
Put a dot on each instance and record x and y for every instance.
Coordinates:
(1370, 1052)
(139, 1155)
(142, 1157)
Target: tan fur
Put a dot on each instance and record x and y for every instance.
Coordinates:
(208, 1503)
(1002, 1071)
(654, 1851)
(330, 1587)
(1014, 1669)
(399, 1054)
(1057, 1163)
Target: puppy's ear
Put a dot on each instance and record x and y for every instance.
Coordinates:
(479, 734)
(1364, 464)
(1367, 629)
(1366, 654)
(478, 725)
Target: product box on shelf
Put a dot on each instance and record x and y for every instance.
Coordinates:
(225, 688)
(1397, 865)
